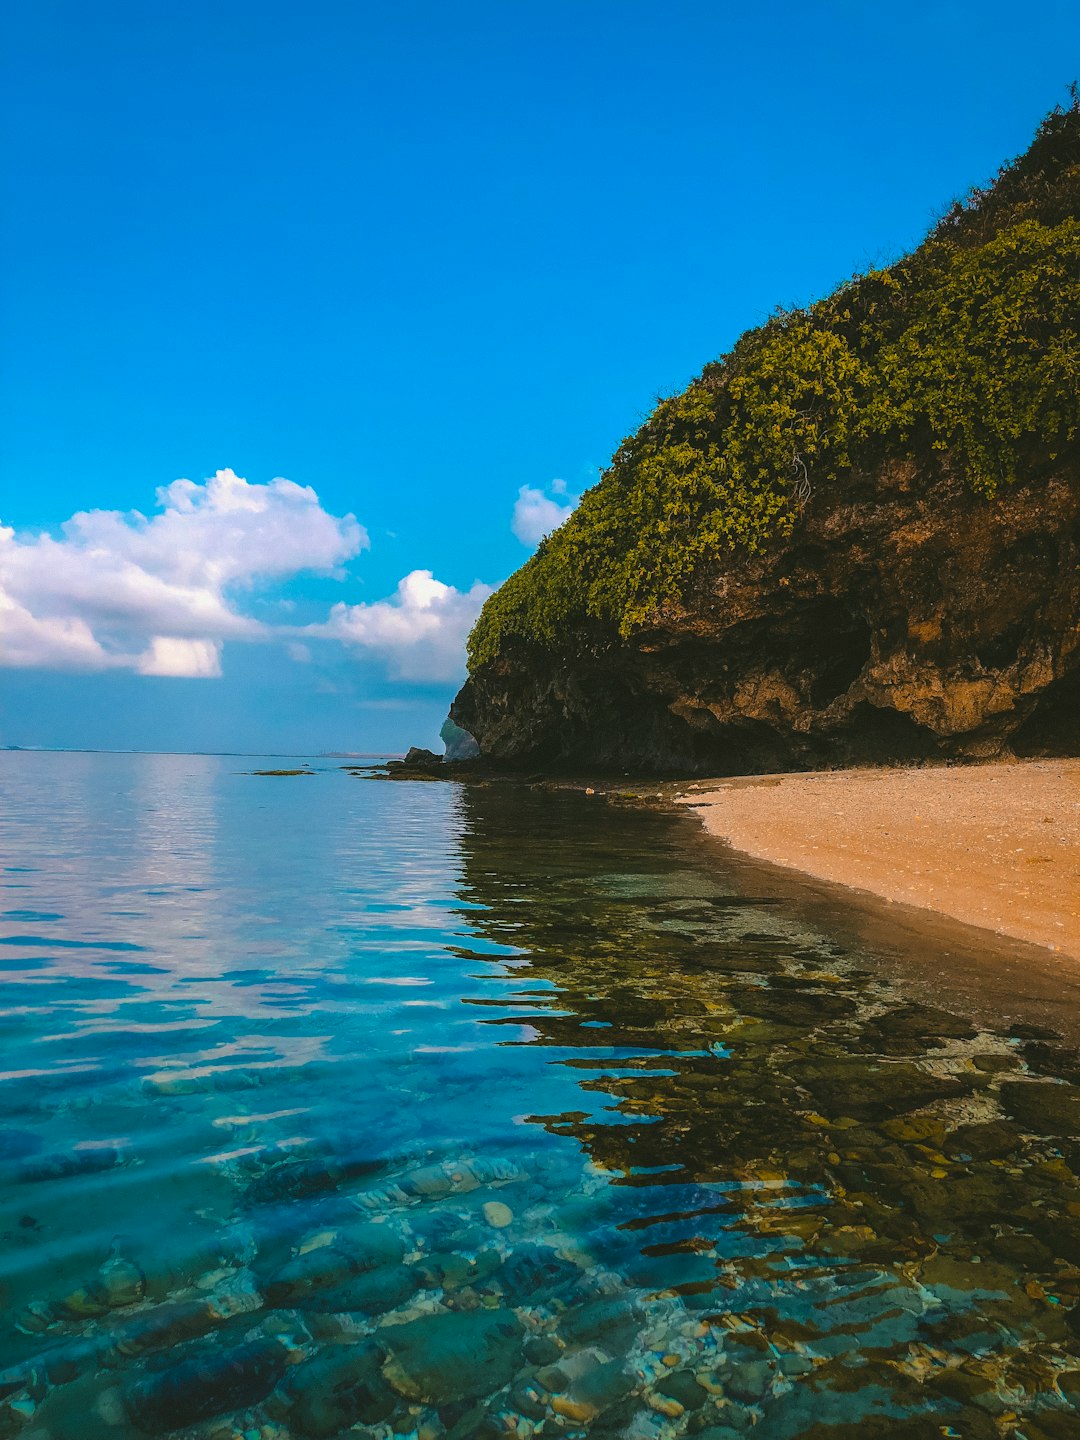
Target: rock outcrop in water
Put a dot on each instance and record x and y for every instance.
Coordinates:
(854, 539)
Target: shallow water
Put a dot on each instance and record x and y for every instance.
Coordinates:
(330, 1106)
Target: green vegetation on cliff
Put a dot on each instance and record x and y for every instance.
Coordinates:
(965, 353)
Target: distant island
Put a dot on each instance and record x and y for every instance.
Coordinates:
(853, 539)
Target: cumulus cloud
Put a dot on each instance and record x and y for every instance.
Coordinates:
(420, 631)
(158, 595)
(536, 514)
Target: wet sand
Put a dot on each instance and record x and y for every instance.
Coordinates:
(995, 846)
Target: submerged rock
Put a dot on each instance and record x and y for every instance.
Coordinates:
(68, 1164)
(297, 1179)
(17, 1144)
(205, 1385)
(599, 1386)
(447, 1271)
(436, 1182)
(611, 1321)
(453, 1356)
(121, 1282)
(336, 1389)
(356, 1252)
(165, 1326)
(317, 1270)
(684, 1389)
(531, 1270)
(376, 1292)
(497, 1215)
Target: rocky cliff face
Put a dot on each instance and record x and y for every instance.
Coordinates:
(854, 539)
(912, 620)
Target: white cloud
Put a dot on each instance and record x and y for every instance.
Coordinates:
(158, 595)
(420, 631)
(61, 644)
(192, 659)
(536, 514)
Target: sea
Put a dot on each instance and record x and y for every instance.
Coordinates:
(339, 1106)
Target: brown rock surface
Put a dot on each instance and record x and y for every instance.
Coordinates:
(907, 619)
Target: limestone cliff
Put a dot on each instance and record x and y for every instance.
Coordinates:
(854, 538)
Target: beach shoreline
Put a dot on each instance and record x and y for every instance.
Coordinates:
(995, 846)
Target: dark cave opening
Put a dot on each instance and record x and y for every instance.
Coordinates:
(1053, 727)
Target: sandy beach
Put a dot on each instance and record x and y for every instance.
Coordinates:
(995, 846)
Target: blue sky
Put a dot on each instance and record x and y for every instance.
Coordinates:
(412, 258)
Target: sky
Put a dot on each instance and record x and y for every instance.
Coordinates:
(316, 318)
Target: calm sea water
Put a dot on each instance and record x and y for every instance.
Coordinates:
(336, 1107)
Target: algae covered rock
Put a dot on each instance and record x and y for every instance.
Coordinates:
(869, 1091)
(1043, 1107)
(990, 1140)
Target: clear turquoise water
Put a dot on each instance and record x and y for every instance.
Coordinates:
(330, 1106)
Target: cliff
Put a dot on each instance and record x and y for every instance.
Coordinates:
(855, 538)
